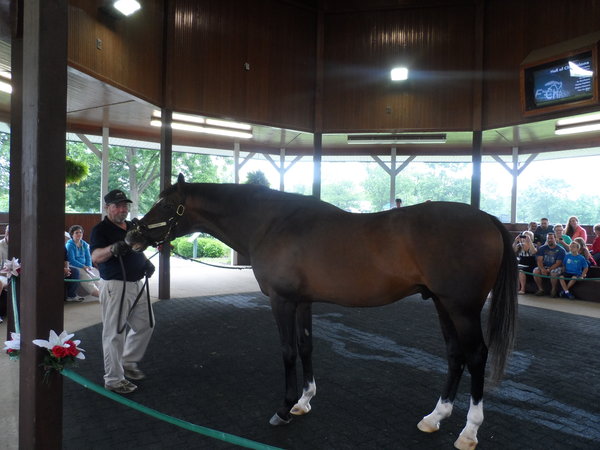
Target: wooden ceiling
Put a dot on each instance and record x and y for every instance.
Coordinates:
(93, 104)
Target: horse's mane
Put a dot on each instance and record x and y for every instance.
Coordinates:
(257, 192)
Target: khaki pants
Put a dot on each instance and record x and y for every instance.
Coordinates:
(126, 348)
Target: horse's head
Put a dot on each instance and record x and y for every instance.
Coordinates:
(158, 225)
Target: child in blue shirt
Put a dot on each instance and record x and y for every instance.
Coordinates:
(576, 267)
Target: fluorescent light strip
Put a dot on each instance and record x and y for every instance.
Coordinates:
(578, 128)
(574, 120)
(5, 87)
(227, 124)
(198, 129)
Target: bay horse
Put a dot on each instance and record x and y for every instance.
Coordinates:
(303, 250)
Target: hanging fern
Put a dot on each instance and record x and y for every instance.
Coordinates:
(75, 171)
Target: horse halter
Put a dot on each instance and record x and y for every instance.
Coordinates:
(170, 224)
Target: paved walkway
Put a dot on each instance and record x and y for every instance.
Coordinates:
(214, 360)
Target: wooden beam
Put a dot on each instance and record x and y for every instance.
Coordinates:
(42, 225)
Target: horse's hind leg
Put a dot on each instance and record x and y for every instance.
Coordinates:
(285, 313)
(305, 346)
(456, 365)
(466, 345)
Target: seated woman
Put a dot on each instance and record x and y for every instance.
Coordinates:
(78, 252)
(596, 244)
(525, 251)
(576, 268)
(583, 251)
(574, 230)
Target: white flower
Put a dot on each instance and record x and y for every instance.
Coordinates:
(59, 340)
(14, 343)
(11, 267)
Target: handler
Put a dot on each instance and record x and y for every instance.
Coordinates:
(122, 352)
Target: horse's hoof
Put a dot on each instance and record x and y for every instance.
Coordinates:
(463, 443)
(427, 427)
(276, 420)
(300, 410)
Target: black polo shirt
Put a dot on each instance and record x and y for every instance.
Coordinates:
(107, 233)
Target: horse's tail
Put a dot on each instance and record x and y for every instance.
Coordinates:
(501, 328)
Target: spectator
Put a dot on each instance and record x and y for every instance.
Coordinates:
(561, 238)
(584, 251)
(550, 257)
(3, 257)
(78, 252)
(3, 279)
(596, 244)
(398, 202)
(71, 286)
(574, 230)
(541, 231)
(576, 268)
(525, 251)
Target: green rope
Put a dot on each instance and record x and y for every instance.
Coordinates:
(75, 280)
(13, 292)
(558, 278)
(230, 438)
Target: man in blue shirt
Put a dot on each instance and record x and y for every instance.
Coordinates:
(549, 258)
(124, 343)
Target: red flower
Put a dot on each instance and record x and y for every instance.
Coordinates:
(72, 349)
(60, 352)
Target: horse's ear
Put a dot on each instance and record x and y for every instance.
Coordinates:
(180, 178)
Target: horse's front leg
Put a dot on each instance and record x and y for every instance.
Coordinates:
(305, 346)
(285, 313)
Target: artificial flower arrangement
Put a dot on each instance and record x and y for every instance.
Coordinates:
(62, 351)
(13, 347)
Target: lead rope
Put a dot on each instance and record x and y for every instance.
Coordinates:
(121, 329)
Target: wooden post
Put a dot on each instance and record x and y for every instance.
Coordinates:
(16, 142)
(166, 166)
(42, 225)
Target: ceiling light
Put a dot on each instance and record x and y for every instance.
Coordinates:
(228, 124)
(5, 87)
(180, 116)
(408, 138)
(580, 119)
(127, 7)
(582, 127)
(187, 126)
(399, 74)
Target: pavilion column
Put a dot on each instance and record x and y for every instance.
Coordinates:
(42, 224)
(476, 177)
(16, 141)
(166, 167)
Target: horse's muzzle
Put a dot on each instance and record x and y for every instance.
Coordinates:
(136, 240)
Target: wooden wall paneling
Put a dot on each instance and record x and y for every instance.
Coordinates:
(360, 50)
(513, 29)
(281, 53)
(214, 40)
(130, 56)
(209, 51)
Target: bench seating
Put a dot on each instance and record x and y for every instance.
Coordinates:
(587, 290)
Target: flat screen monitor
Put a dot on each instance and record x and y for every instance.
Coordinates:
(560, 83)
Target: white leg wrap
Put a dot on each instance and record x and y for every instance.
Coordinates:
(303, 405)
(431, 422)
(468, 436)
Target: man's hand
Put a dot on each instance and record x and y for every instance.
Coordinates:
(149, 269)
(120, 248)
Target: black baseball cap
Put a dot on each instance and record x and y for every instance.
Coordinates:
(116, 196)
